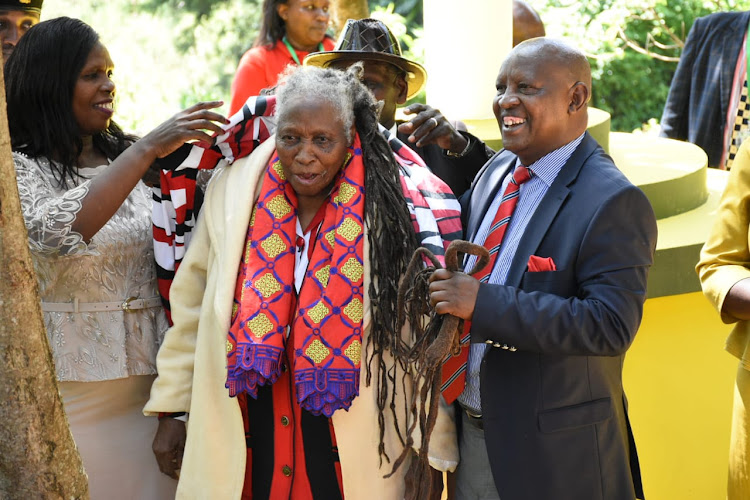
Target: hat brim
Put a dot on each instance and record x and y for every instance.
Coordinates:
(416, 75)
(29, 10)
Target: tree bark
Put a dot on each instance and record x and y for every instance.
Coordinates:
(38, 458)
(348, 9)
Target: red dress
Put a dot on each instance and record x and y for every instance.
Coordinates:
(291, 453)
(259, 68)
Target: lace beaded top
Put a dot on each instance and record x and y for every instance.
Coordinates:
(116, 264)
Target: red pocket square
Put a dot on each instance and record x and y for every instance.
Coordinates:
(537, 264)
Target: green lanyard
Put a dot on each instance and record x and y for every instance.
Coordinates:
(293, 52)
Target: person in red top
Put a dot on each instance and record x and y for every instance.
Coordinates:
(291, 30)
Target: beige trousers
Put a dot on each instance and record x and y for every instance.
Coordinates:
(114, 438)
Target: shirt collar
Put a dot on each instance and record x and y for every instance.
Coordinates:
(548, 166)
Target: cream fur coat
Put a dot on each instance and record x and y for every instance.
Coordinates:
(192, 363)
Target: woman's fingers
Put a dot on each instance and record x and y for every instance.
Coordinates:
(203, 105)
(201, 124)
(206, 115)
(196, 123)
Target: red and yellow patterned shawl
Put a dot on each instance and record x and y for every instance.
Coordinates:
(435, 215)
(326, 318)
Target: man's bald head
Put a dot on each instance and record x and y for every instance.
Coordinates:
(559, 53)
(542, 93)
(526, 22)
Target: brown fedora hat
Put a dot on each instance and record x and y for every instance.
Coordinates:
(371, 40)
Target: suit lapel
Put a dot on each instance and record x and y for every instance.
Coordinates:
(548, 208)
(731, 46)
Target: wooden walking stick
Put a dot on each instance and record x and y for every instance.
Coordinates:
(433, 344)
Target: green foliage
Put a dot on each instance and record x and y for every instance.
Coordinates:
(210, 37)
(201, 8)
(168, 54)
(409, 10)
(633, 46)
(632, 88)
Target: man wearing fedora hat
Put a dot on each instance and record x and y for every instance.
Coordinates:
(454, 156)
(16, 17)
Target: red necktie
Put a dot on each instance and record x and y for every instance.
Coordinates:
(454, 368)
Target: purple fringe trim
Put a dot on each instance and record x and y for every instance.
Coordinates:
(322, 392)
(255, 365)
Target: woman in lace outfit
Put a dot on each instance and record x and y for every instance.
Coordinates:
(87, 212)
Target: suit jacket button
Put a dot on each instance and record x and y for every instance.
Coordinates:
(286, 470)
(496, 344)
(505, 347)
(512, 349)
(488, 342)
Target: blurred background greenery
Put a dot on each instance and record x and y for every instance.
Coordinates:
(171, 53)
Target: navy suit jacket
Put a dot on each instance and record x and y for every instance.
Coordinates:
(698, 101)
(554, 410)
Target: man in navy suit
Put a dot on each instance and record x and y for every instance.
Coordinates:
(544, 415)
(706, 92)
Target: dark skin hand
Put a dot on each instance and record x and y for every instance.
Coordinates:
(429, 126)
(453, 293)
(108, 190)
(737, 301)
(152, 177)
(169, 446)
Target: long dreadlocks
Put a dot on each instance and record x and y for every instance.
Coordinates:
(392, 242)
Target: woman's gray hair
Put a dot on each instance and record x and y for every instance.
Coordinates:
(342, 89)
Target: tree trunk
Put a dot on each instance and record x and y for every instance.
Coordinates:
(38, 458)
(348, 9)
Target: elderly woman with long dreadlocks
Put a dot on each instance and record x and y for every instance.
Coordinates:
(286, 351)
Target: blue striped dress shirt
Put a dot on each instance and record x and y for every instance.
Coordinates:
(531, 193)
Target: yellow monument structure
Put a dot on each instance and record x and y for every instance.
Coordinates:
(678, 378)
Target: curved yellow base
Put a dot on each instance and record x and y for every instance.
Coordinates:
(679, 382)
(671, 173)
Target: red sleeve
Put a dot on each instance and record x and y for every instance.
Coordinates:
(328, 43)
(259, 68)
(251, 77)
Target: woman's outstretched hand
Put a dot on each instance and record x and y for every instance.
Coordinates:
(108, 190)
(196, 123)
